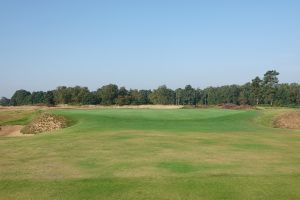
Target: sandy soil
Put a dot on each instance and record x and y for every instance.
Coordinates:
(12, 131)
(116, 106)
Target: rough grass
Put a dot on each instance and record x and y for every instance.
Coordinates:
(155, 154)
(17, 117)
(289, 120)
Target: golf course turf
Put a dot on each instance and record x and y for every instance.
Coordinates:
(154, 154)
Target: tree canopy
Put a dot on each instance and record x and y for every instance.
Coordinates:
(266, 90)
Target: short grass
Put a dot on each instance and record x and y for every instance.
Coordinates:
(155, 154)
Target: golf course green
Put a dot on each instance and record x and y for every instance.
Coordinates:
(153, 154)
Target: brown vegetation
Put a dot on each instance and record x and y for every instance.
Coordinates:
(289, 120)
(235, 107)
(44, 123)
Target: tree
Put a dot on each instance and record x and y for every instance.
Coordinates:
(123, 97)
(270, 83)
(256, 87)
(200, 96)
(281, 95)
(266, 90)
(49, 98)
(90, 99)
(20, 97)
(211, 97)
(37, 97)
(229, 94)
(178, 96)
(62, 95)
(246, 96)
(220, 95)
(134, 97)
(144, 96)
(108, 94)
(188, 95)
(4, 101)
(78, 94)
(205, 97)
(294, 94)
(163, 95)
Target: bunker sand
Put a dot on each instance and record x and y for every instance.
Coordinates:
(11, 131)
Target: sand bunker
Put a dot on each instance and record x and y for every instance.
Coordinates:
(289, 120)
(11, 131)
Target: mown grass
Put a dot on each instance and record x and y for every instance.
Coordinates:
(155, 154)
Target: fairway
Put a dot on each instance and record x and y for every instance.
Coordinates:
(154, 154)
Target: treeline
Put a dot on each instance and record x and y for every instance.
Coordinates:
(265, 90)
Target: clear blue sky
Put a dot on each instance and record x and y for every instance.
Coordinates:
(145, 43)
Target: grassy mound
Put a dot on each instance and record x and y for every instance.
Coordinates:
(289, 120)
(46, 122)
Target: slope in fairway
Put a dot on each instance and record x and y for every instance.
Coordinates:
(154, 154)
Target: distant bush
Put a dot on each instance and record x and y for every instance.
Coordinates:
(4, 101)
